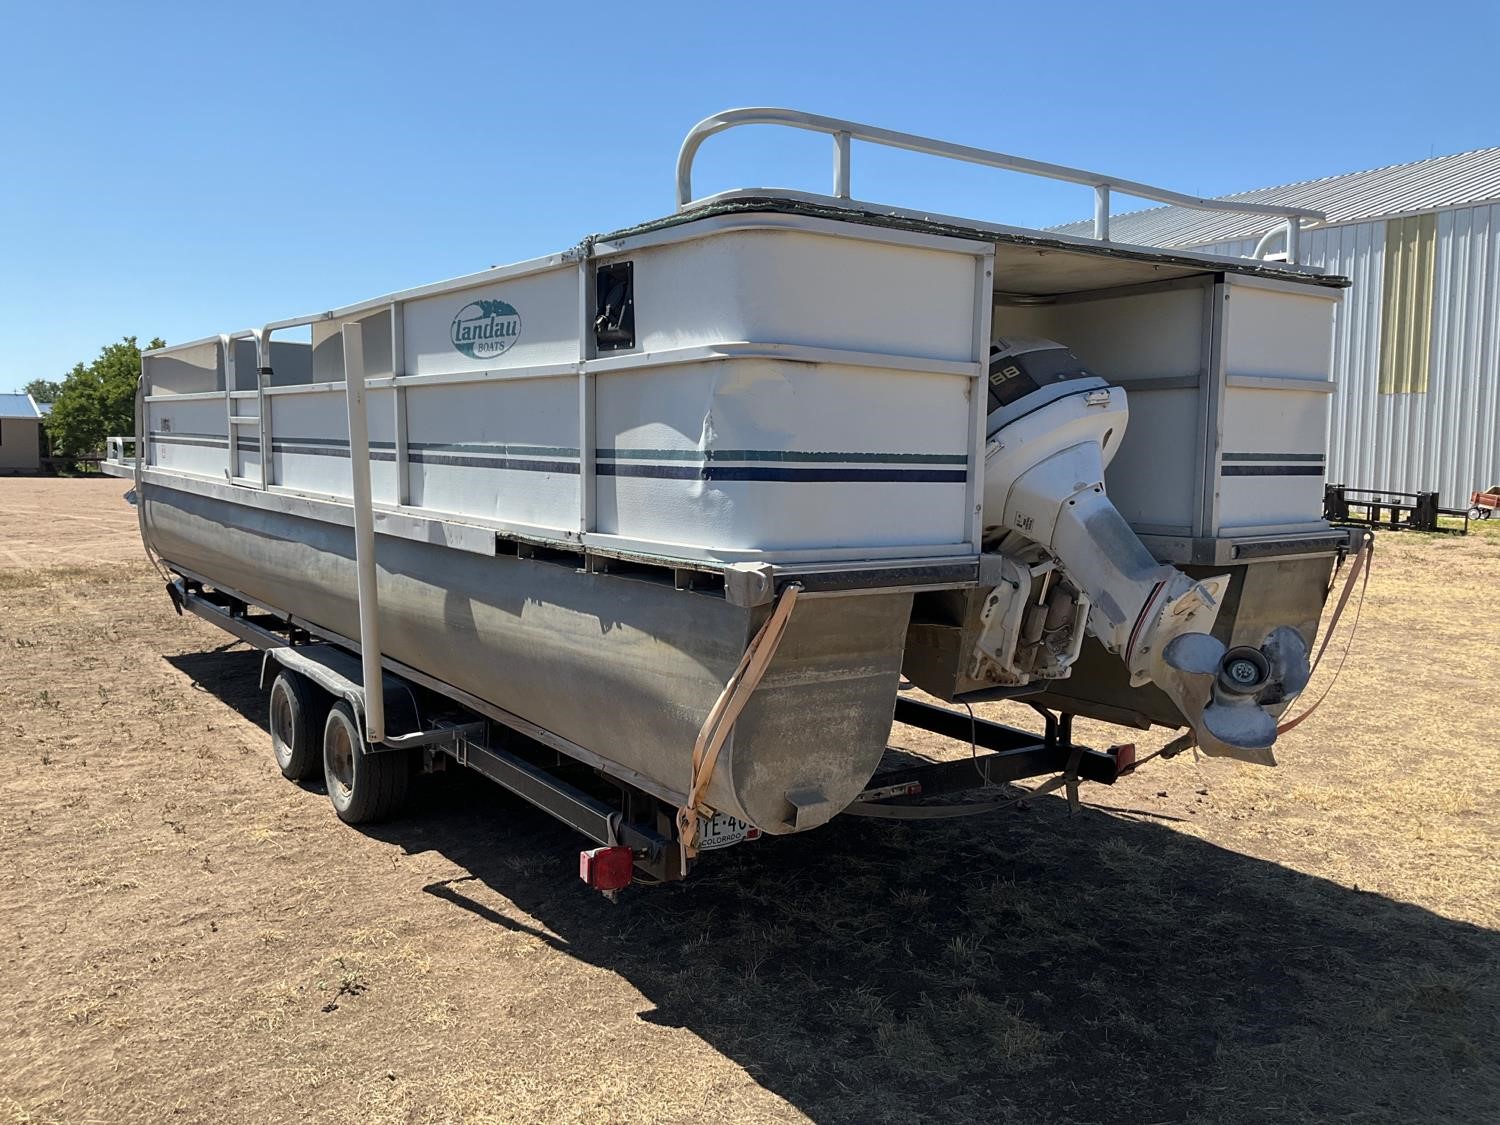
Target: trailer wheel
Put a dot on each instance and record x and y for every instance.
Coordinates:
(364, 787)
(296, 718)
(1476, 513)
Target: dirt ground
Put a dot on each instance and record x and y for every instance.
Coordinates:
(190, 938)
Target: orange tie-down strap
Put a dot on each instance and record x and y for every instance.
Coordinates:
(726, 710)
(1364, 557)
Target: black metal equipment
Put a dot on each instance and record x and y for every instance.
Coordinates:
(1014, 753)
(1393, 511)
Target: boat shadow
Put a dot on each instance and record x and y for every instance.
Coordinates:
(1027, 966)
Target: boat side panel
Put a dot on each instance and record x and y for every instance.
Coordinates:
(504, 450)
(764, 455)
(790, 384)
(835, 290)
(540, 328)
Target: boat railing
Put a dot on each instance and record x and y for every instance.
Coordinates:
(843, 132)
(120, 450)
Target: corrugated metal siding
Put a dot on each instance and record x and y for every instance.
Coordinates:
(1447, 438)
(1423, 185)
(1360, 420)
(1460, 450)
(1241, 248)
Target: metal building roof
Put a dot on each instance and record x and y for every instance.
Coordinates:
(18, 406)
(1423, 185)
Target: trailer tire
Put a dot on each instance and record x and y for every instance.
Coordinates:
(297, 711)
(364, 787)
(1476, 513)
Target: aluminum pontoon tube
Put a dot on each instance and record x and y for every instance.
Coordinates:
(623, 665)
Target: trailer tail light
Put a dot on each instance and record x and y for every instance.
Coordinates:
(1124, 756)
(607, 869)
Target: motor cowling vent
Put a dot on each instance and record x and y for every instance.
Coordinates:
(1020, 365)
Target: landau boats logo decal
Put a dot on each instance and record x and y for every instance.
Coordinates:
(485, 329)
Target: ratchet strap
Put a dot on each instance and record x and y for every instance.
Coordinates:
(726, 711)
(1364, 559)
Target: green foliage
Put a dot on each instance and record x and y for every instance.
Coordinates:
(43, 390)
(97, 400)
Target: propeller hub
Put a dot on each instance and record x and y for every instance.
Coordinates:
(1244, 671)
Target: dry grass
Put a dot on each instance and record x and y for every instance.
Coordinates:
(190, 938)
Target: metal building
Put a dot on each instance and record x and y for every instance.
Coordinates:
(1417, 340)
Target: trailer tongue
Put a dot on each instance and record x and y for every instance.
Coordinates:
(649, 531)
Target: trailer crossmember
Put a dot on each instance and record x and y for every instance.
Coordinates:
(1013, 755)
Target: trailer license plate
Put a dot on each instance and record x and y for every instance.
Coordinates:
(721, 830)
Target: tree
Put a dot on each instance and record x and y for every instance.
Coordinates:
(43, 390)
(97, 400)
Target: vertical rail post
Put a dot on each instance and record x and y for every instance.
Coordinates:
(1293, 239)
(226, 365)
(364, 531)
(841, 165)
(587, 417)
(398, 395)
(142, 451)
(142, 423)
(984, 311)
(263, 372)
(1101, 212)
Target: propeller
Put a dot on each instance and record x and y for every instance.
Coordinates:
(1220, 690)
(1289, 657)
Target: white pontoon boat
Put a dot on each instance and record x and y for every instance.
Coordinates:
(650, 530)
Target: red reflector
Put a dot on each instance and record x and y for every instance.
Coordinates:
(1124, 756)
(607, 869)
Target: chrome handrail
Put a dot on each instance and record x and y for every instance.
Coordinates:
(843, 132)
(115, 446)
(1290, 230)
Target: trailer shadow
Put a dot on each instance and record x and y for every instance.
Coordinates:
(1028, 966)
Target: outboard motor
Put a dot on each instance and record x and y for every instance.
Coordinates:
(1067, 561)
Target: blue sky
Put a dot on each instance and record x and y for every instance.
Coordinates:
(184, 170)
